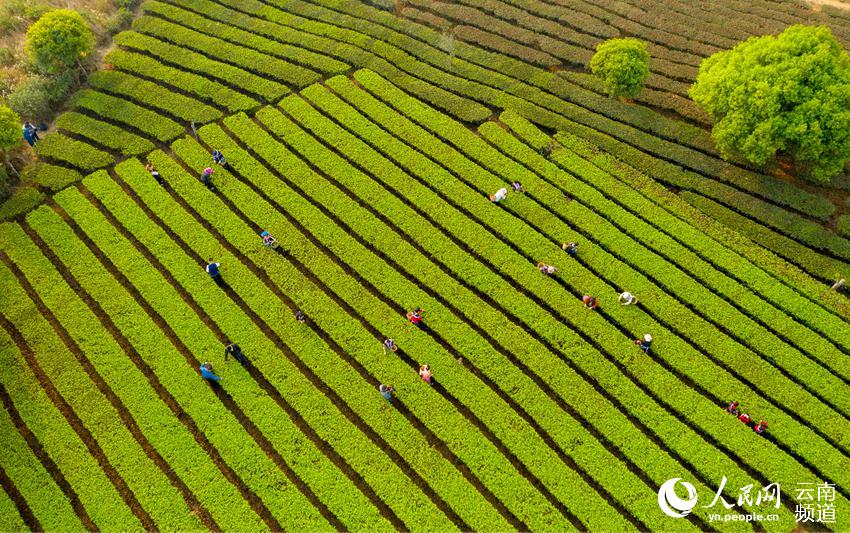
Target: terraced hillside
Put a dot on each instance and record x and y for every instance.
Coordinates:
(367, 144)
(563, 34)
(195, 61)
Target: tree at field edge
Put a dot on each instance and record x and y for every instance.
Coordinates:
(786, 93)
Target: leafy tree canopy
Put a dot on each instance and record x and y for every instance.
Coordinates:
(787, 93)
(57, 40)
(10, 128)
(622, 64)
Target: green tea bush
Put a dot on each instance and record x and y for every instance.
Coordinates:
(843, 227)
(21, 201)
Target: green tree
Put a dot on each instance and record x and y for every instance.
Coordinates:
(622, 64)
(788, 93)
(10, 133)
(58, 41)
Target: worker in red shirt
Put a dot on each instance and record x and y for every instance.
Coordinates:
(415, 317)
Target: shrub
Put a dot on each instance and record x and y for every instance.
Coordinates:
(8, 24)
(7, 56)
(10, 129)
(11, 16)
(36, 11)
(119, 21)
(622, 64)
(10, 137)
(35, 97)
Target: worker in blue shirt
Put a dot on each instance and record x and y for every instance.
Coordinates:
(30, 133)
(212, 270)
(207, 373)
(386, 391)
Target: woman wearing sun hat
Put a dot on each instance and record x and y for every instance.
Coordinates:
(645, 342)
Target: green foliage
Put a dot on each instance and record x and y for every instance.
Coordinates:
(57, 435)
(250, 30)
(30, 476)
(622, 64)
(94, 412)
(474, 150)
(36, 11)
(209, 70)
(10, 128)
(5, 186)
(555, 110)
(205, 87)
(36, 97)
(317, 409)
(12, 16)
(104, 133)
(23, 199)
(787, 93)
(843, 226)
(345, 247)
(406, 216)
(52, 177)
(668, 212)
(77, 153)
(448, 190)
(120, 20)
(7, 56)
(244, 57)
(233, 26)
(135, 116)
(58, 40)
(819, 265)
(477, 151)
(153, 95)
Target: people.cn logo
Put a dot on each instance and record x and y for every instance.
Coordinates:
(670, 503)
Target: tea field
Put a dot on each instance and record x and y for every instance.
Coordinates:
(366, 138)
